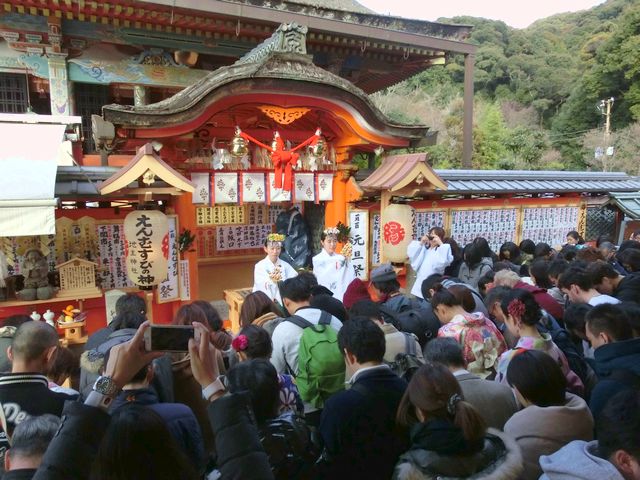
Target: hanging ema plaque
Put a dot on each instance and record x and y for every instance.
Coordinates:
(147, 247)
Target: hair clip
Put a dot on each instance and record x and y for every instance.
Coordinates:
(452, 402)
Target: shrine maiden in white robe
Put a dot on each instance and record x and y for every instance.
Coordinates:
(334, 272)
(262, 277)
(427, 261)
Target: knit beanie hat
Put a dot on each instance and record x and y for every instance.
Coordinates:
(357, 290)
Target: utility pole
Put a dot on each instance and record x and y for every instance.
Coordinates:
(605, 109)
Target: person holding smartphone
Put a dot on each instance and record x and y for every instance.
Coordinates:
(428, 255)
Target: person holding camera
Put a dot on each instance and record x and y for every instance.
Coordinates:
(428, 255)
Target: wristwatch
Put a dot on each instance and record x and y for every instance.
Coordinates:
(104, 391)
(106, 386)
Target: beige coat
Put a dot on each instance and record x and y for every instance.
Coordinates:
(544, 430)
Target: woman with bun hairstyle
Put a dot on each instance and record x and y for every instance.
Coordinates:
(254, 342)
(449, 438)
(551, 417)
(481, 341)
(522, 314)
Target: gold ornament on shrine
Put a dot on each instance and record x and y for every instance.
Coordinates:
(239, 147)
(318, 149)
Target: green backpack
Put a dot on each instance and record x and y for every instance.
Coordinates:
(320, 364)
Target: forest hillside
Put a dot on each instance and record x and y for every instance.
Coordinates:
(537, 93)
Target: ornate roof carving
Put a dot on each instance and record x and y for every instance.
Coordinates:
(271, 65)
(288, 38)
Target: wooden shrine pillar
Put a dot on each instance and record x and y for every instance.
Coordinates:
(336, 210)
(186, 212)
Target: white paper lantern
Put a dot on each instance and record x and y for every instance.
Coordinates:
(397, 231)
(147, 247)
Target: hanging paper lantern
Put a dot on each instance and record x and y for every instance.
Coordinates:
(146, 247)
(397, 231)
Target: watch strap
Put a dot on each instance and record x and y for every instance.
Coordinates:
(99, 400)
(214, 387)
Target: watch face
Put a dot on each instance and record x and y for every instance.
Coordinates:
(106, 386)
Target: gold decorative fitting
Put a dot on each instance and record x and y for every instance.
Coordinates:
(148, 178)
(284, 116)
(238, 147)
(420, 179)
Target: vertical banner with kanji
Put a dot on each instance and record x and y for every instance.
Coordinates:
(359, 223)
(185, 281)
(375, 237)
(168, 291)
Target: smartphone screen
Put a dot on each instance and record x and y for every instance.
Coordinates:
(171, 339)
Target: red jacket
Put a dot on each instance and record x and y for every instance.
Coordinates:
(545, 300)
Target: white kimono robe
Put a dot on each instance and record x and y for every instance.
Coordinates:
(263, 283)
(334, 272)
(427, 261)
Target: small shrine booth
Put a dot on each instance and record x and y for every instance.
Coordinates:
(270, 132)
(497, 205)
(101, 245)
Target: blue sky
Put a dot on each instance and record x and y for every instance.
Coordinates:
(516, 13)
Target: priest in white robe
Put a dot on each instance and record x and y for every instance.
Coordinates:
(333, 270)
(271, 270)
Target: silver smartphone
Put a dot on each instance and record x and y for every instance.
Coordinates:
(168, 338)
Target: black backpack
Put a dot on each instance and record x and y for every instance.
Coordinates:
(413, 320)
(406, 364)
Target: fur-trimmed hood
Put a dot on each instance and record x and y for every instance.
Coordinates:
(502, 455)
(93, 360)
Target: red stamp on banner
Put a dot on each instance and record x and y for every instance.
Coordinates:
(393, 233)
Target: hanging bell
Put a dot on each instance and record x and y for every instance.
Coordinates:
(319, 149)
(238, 147)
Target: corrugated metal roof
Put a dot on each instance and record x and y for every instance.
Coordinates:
(629, 203)
(525, 181)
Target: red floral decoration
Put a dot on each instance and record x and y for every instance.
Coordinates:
(516, 308)
(240, 343)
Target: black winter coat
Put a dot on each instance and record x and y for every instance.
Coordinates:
(358, 428)
(615, 364)
(438, 450)
(240, 454)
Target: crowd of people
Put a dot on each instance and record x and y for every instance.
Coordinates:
(517, 364)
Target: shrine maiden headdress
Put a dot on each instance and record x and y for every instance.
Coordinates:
(331, 231)
(275, 238)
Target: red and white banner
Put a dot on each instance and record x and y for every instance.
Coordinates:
(276, 194)
(200, 194)
(304, 187)
(324, 189)
(224, 187)
(253, 187)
